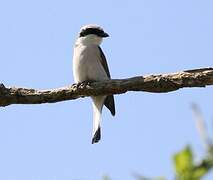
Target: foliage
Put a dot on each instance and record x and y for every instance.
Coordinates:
(187, 169)
(185, 166)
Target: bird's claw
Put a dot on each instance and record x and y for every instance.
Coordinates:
(83, 84)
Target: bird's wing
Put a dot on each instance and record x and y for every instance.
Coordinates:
(104, 62)
(109, 101)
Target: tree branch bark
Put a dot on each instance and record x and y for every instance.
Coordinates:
(161, 83)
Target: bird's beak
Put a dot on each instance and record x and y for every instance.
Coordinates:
(104, 35)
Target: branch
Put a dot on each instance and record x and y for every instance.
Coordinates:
(161, 83)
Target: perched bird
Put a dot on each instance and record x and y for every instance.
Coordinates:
(89, 64)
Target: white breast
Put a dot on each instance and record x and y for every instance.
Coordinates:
(79, 64)
(87, 64)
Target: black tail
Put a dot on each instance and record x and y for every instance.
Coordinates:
(110, 104)
(97, 136)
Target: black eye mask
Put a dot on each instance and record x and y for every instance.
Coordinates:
(95, 31)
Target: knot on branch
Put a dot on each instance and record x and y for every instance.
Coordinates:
(3, 90)
(166, 85)
(4, 93)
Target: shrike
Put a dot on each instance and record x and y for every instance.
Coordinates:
(89, 64)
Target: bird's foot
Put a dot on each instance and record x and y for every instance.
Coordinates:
(84, 84)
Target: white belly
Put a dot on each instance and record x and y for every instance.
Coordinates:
(87, 65)
(79, 66)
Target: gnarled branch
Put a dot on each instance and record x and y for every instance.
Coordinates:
(161, 83)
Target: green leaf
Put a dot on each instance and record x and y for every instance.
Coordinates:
(183, 161)
(105, 177)
(184, 164)
(198, 173)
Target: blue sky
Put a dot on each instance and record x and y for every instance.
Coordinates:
(53, 141)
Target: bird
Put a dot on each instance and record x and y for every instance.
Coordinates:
(90, 64)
